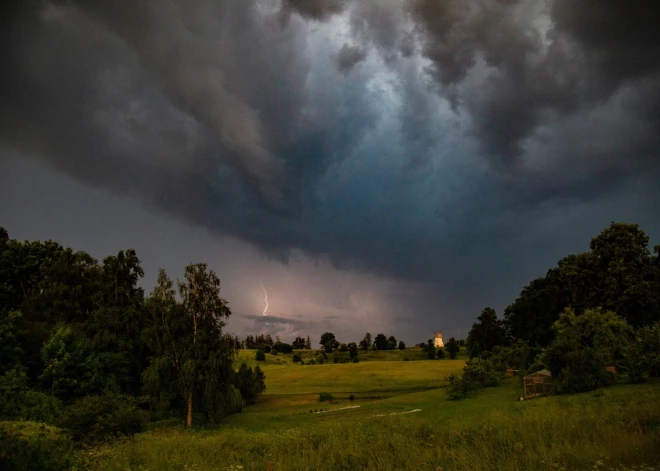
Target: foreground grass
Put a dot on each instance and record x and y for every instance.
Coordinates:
(611, 429)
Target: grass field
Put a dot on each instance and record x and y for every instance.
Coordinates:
(400, 419)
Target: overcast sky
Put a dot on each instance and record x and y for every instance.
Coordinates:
(388, 166)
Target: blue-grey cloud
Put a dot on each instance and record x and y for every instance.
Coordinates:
(348, 57)
(471, 126)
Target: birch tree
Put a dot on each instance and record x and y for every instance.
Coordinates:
(208, 354)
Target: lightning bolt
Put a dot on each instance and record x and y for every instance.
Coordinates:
(266, 299)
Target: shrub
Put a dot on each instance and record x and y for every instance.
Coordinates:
(478, 373)
(356, 360)
(40, 407)
(320, 359)
(583, 345)
(273, 352)
(351, 397)
(234, 400)
(285, 348)
(311, 362)
(296, 358)
(482, 372)
(518, 356)
(261, 356)
(441, 353)
(324, 396)
(97, 418)
(264, 347)
(459, 386)
(250, 383)
(32, 446)
(642, 356)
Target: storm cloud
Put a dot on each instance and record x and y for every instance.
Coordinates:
(435, 142)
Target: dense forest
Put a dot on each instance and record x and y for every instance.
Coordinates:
(80, 340)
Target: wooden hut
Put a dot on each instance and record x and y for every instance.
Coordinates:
(539, 384)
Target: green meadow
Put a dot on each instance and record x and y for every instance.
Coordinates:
(400, 419)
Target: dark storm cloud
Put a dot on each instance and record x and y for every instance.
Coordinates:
(348, 57)
(262, 321)
(315, 9)
(470, 124)
(589, 51)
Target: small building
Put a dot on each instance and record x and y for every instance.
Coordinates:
(539, 384)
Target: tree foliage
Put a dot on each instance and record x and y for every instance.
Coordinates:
(618, 274)
(72, 328)
(584, 345)
(487, 333)
(452, 348)
(365, 343)
(328, 341)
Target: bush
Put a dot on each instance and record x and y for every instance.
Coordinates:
(250, 383)
(320, 359)
(517, 356)
(261, 356)
(273, 352)
(482, 372)
(40, 407)
(459, 387)
(98, 418)
(32, 446)
(234, 400)
(285, 348)
(351, 397)
(441, 353)
(264, 347)
(324, 396)
(642, 356)
(583, 345)
(478, 373)
(356, 360)
(296, 358)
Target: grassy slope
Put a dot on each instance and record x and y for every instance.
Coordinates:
(486, 432)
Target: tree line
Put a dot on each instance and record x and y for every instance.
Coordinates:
(72, 328)
(592, 310)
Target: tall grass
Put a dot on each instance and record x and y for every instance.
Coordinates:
(590, 431)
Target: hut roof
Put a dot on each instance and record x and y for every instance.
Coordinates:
(540, 373)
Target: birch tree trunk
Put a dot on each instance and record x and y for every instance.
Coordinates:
(189, 414)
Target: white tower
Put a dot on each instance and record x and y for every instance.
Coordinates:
(437, 341)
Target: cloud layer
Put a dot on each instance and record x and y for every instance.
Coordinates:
(419, 140)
